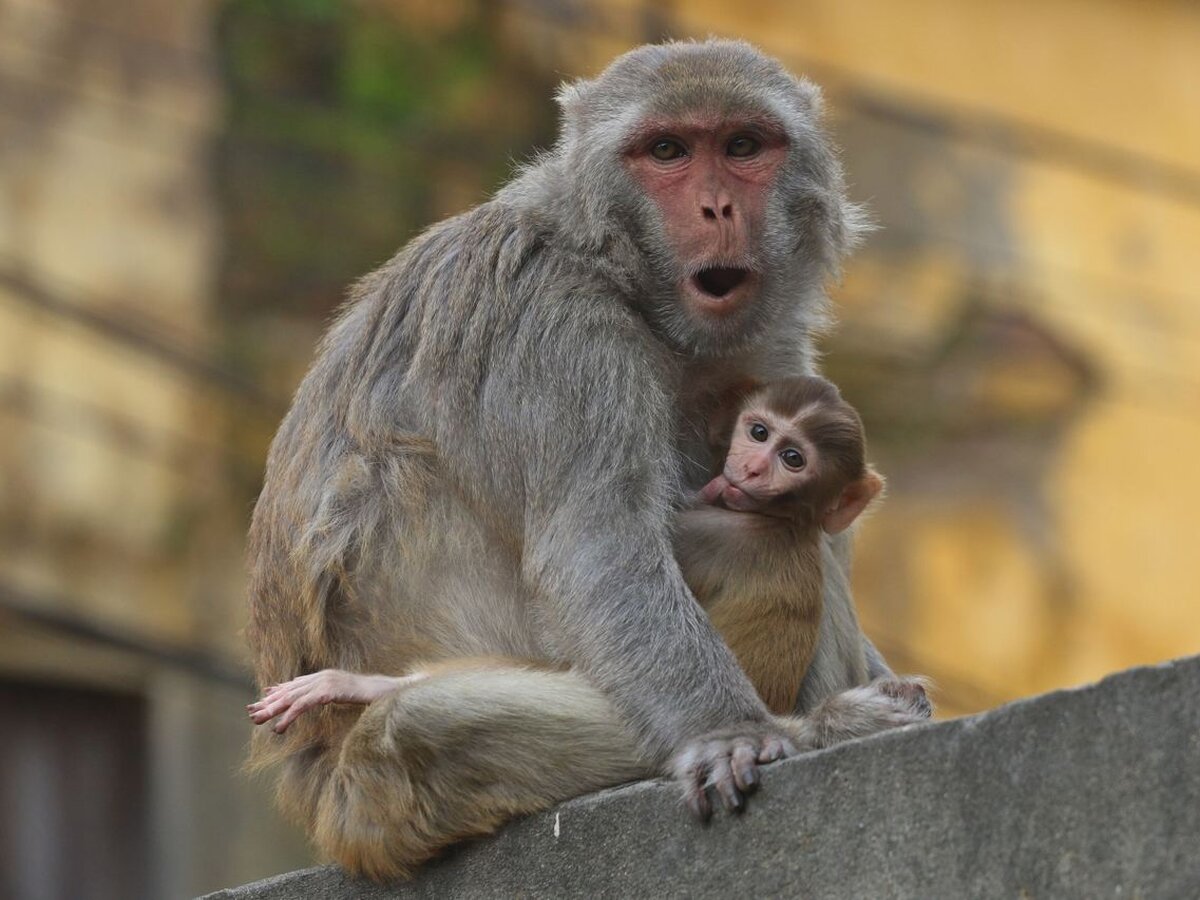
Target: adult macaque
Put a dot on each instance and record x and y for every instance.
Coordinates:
(485, 459)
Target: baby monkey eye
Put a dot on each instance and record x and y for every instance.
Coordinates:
(792, 458)
(666, 150)
(743, 146)
(758, 431)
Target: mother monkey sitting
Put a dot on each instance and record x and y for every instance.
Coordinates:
(477, 478)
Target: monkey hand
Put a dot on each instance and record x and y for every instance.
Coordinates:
(889, 702)
(712, 491)
(910, 694)
(885, 703)
(727, 761)
(289, 700)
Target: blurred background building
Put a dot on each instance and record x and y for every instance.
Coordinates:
(187, 188)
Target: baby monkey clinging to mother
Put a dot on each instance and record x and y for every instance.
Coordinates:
(794, 467)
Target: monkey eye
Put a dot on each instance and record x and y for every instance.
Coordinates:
(666, 150)
(743, 146)
(758, 431)
(793, 459)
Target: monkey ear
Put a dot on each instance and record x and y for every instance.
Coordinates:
(570, 94)
(809, 96)
(852, 501)
(572, 98)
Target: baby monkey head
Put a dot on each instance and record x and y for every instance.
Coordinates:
(796, 451)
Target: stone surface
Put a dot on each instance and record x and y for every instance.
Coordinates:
(1093, 792)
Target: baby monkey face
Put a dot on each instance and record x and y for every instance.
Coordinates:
(770, 457)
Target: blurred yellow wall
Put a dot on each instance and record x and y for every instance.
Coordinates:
(1033, 295)
(120, 535)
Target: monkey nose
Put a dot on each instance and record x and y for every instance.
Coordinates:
(716, 211)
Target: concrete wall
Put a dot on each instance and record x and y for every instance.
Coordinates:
(1090, 793)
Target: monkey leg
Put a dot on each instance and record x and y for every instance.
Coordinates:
(458, 754)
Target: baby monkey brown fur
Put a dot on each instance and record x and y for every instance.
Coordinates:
(794, 467)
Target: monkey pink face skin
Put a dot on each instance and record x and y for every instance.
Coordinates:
(710, 180)
(769, 459)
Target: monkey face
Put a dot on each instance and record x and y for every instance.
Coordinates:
(707, 182)
(709, 179)
(701, 172)
(770, 460)
(796, 451)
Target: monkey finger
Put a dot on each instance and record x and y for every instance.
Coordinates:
(294, 683)
(301, 703)
(772, 749)
(690, 773)
(270, 710)
(290, 715)
(721, 778)
(279, 701)
(696, 797)
(745, 772)
(260, 716)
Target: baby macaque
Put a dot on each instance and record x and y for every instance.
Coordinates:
(750, 547)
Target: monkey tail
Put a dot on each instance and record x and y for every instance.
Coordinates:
(457, 755)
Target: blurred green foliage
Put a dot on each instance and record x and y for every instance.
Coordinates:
(350, 128)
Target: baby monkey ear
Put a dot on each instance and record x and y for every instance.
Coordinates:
(853, 499)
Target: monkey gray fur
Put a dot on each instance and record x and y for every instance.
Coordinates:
(485, 459)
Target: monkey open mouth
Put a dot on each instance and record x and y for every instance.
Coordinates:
(720, 280)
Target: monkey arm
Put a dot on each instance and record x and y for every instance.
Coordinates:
(600, 477)
(603, 569)
(628, 621)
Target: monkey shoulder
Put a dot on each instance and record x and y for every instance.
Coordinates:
(550, 320)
